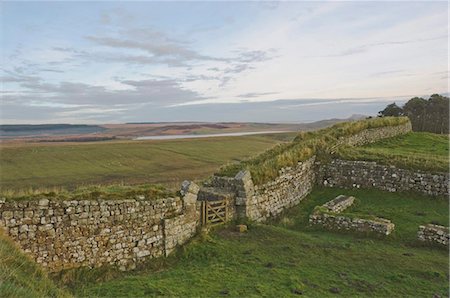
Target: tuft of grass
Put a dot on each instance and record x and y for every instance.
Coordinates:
(22, 277)
(266, 166)
(92, 192)
(415, 150)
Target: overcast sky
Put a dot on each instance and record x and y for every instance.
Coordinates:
(112, 62)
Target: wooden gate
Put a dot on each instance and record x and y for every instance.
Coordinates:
(214, 212)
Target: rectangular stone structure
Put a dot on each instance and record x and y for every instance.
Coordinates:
(339, 204)
(434, 234)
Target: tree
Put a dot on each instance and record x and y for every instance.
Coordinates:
(426, 115)
(391, 110)
(416, 109)
(438, 106)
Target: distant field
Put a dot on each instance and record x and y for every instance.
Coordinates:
(168, 162)
(289, 258)
(416, 150)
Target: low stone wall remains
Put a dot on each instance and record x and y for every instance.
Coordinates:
(356, 174)
(333, 221)
(327, 216)
(339, 204)
(434, 234)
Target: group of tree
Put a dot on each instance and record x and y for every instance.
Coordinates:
(430, 115)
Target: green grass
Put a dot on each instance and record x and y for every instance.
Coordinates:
(167, 162)
(265, 166)
(286, 257)
(406, 210)
(21, 277)
(93, 192)
(415, 150)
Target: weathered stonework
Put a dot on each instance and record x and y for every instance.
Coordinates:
(356, 174)
(179, 229)
(372, 135)
(327, 216)
(333, 221)
(65, 234)
(258, 203)
(339, 204)
(287, 190)
(434, 234)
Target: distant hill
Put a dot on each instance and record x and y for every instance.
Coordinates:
(92, 133)
(22, 130)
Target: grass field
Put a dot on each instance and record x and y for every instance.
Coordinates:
(168, 162)
(287, 258)
(416, 150)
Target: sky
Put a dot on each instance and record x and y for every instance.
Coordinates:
(116, 62)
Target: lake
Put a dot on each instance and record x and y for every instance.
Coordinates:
(229, 134)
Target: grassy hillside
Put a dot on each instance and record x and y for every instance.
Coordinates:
(168, 162)
(288, 258)
(416, 150)
(21, 277)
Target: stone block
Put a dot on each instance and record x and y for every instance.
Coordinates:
(241, 228)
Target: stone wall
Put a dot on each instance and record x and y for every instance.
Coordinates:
(179, 229)
(287, 190)
(356, 174)
(341, 222)
(62, 234)
(372, 135)
(258, 203)
(434, 234)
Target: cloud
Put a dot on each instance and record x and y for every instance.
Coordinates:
(256, 94)
(16, 77)
(153, 92)
(161, 48)
(367, 47)
(386, 73)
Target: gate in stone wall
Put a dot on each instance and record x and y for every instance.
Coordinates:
(215, 212)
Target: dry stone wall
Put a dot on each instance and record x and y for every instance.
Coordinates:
(372, 135)
(258, 203)
(328, 217)
(287, 190)
(356, 174)
(65, 234)
(434, 234)
(341, 222)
